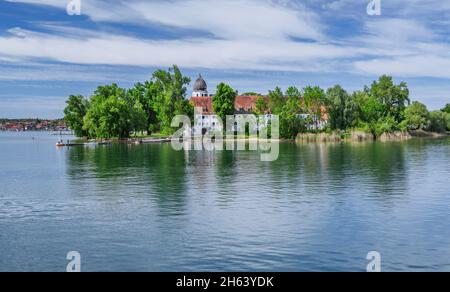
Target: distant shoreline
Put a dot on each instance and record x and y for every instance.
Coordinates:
(33, 125)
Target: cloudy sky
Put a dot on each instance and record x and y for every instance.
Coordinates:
(254, 45)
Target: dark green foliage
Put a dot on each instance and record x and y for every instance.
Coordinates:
(223, 101)
(77, 107)
(417, 117)
(438, 121)
(116, 112)
(446, 109)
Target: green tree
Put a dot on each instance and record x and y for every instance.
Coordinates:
(314, 99)
(368, 113)
(438, 121)
(447, 117)
(170, 88)
(341, 108)
(372, 110)
(446, 109)
(113, 113)
(276, 101)
(223, 101)
(146, 94)
(384, 125)
(74, 113)
(417, 117)
(394, 98)
(290, 122)
(261, 106)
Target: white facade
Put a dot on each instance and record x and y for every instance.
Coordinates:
(205, 123)
(317, 124)
(200, 93)
(211, 123)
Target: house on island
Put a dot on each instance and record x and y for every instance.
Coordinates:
(207, 121)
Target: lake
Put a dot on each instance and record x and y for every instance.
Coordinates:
(319, 207)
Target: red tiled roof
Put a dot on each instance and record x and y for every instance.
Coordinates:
(203, 102)
(242, 103)
(245, 103)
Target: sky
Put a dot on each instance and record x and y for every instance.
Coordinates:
(253, 45)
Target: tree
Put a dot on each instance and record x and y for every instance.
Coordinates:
(417, 117)
(314, 100)
(170, 100)
(372, 110)
(276, 101)
(447, 117)
(341, 108)
(114, 113)
(384, 125)
(394, 98)
(146, 95)
(223, 101)
(74, 113)
(438, 121)
(290, 122)
(446, 109)
(261, 106)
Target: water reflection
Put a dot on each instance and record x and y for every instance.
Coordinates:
(148, 208)
(318, 207)
(152, 171)
(166, 175)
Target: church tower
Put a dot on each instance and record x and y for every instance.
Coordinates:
(200, 88)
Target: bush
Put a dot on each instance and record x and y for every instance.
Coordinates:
(386, 125)
(417, 117)
(290, 127)
(438, 122)
(447, 118)
(446, 109)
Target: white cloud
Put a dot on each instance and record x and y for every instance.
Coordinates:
(250, 34)
(412, 66)
(229, 51)
(229, 19)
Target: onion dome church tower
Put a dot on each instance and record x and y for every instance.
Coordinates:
(200, 88)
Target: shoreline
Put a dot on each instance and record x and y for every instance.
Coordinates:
(356, 137)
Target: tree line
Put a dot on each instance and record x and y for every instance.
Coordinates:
(383, 107)
(114, 112)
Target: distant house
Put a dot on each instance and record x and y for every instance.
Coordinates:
(244, 104)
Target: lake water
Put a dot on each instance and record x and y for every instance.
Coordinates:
(149, 208)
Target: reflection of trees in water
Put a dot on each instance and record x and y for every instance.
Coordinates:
(384, 162)
(156, 170)
(228, 175)
(377, 169)
(165, 174)
(324, 168)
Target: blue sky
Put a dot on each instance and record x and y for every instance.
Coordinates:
(254, 45)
